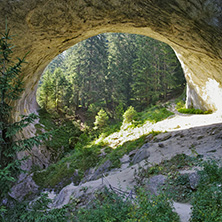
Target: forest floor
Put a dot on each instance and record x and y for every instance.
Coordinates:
(191, 135)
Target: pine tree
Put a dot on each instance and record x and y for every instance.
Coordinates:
(44, 91)
(101, 120)
(11, 87)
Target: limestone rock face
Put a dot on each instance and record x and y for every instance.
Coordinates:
(45, 28)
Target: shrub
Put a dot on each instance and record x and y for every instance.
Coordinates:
(101, 120)
(194, 111)
(107, 207)
(111, 207)
(129, 115)
(180, 105)
(36, 212)
(207, 201)
(153, 208)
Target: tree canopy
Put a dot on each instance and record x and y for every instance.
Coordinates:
(109, 71)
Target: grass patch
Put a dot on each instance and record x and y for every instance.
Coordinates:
(167, 167)
(194, 111)
(153, 115)
(115, 155)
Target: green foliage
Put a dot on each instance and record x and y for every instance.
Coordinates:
(180, 105)
(154, 114)
(65, 134)
(179, 188)
(11, 87)
(70, 168)
(37, 211)
(101, 120)
(153, 208)
(166, 167)
(110, 71)
(119, 111)
(110, 207)
(115, 155)
(207, 201)
(194, 111)
(129, 115)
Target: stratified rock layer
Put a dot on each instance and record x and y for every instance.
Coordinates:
(45, 28)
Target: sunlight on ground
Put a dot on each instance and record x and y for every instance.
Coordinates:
(173, 123)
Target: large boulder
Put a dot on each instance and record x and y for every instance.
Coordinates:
(142, 154)
(154, 183)
(25, 188)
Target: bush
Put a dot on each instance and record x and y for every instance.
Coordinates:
(36, 212)
(180, 105)
(194, 111)
(207, 201)
(107, 207)
(153, 208)
(129, 115)
(111, 207)
(101, 120)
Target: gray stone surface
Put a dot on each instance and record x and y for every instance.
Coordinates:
(101, 169)
(194, 179)
(25, 188)
(149, 138)
(125, 159)
(142, 154)
(153, 184)
(162, 137)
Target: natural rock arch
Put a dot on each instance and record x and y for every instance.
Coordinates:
(45, 28)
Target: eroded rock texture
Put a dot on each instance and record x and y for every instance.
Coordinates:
(45, 28)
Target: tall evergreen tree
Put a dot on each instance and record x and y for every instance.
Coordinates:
(116, 70)
(44, 91)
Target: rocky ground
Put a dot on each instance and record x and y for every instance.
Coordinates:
(191, 135)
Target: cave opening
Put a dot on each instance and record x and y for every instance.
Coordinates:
(110, 71)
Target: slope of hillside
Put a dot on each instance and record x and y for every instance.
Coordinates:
(196, 137)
